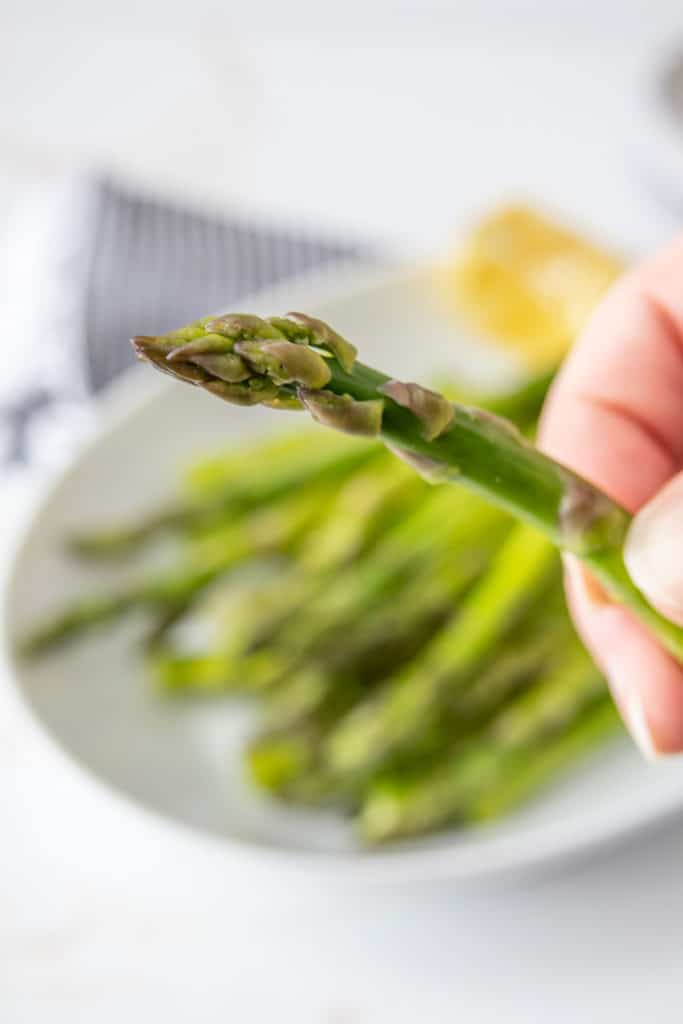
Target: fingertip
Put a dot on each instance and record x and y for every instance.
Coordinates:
(646, 683)
(653, 550)
(615, 404)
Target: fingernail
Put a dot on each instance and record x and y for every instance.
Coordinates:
(644, 682)
(627, 696)
(639, 727)
(653, 741)
(654, 551)
(584, 582)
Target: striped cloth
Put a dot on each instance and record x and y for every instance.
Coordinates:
(123, 264)
(155, 266)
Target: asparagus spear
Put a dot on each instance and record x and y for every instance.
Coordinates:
(223, 543)
(435, 550)
(368, 503)
(408, 804)
(408, 706)
(300, 362)
(409, 540)
(530, 773)
(377, 645)
(231, 486)
(301, 713)
(237, 482)
(286, 756)
(333, 540)
(265, 650)
(470, 536)
(275, 761)
(274, 529)
(508, 670)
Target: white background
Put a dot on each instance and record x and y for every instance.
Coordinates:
(394, 122)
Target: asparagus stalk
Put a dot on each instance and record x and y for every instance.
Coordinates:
(232, 486)
(275, 529)
(333, 541)
(508, 672)
(379, 642)
(300, 362)
(286, 756)
(224, 543)
(236, 482)
(302, 666)
(400, 805)
(274, 761)
(368, 503)
(409, 705)
(302, 713)
(470, 537)
(341, 615)
(509, 669)
(531, 773)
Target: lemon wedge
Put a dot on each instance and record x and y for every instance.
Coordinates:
(523, 281)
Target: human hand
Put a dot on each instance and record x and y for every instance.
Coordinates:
(615, 414)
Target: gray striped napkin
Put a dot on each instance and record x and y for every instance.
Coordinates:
(129, 264)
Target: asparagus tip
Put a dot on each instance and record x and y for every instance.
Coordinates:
(380, 816)
(144, 345)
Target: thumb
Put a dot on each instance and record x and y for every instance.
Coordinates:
(654, 550)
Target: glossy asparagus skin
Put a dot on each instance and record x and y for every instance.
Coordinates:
(237, 482)
(302, 712)
(348, 596)
(356, 611)
(297, 361)
(275, 529)
(288, 756)
(530, 774)
(415, 803)
(396, 718)
(389, 634)
(295, 504)
(233, 485)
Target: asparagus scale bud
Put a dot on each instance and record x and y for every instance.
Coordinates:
(298, 361)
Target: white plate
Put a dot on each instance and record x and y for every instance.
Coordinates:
(181, 759)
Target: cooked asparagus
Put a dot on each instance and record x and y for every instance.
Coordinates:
(300, 362)
(233, 485)
(532, 771)
(302, 713)
(405, 709)
(388, 628)
(273, 529)
(408, 804)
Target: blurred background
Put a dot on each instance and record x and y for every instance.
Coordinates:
(298, 133)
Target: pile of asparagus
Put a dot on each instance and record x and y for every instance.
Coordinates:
(406, 646)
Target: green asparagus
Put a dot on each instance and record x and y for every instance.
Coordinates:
(533, 771)
(396, 718)
(405, 647)
(273, 529)
(348, 612)
(306, 710)
(302, 711)
(409, 804)
(300, 362)
(236, 484)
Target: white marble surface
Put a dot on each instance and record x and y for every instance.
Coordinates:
(393, 121)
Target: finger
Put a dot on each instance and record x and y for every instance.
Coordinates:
(615, 415)
(654, 550)
(645, 682)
